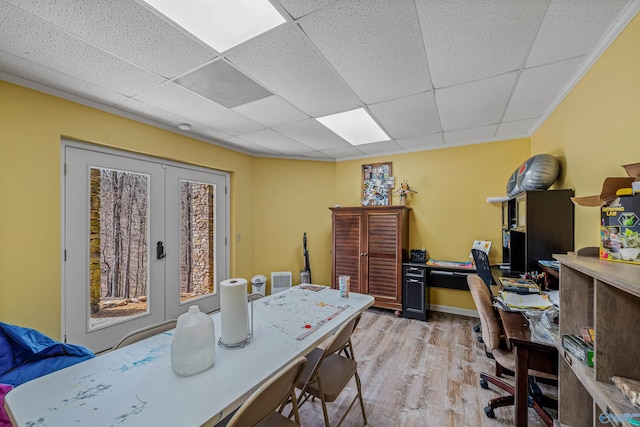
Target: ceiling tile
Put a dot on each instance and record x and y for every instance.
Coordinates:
(28, 37)
(382, 147)
(343, 153)
(409, 116)
(277, 142)
(250, 146)
(474, 104)
(208, 132)
(375, 45)
(182, 102)
(128, 30)
(421, 141)
(468, 136)
(314, 134)
(298, 8)
(285, 62)
(516, 129)
(35, 72)
(572, 28)
(150, 111)
(539, 87)
(469, 40)
(222, 83)
(271, 111)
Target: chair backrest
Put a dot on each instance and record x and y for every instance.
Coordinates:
(481, 260)
(269, 396)
(342, 336)
(146, 332)
(490, 324)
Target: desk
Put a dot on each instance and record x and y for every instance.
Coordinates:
(135, 385)
(551, 276)
(529, 355)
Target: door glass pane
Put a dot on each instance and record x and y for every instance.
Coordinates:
(118, 241)
(197, 240)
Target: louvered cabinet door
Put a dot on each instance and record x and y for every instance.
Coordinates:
(347, 254)
(383, 262)
(369, 244)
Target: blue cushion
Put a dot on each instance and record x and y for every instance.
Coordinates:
(26, 354)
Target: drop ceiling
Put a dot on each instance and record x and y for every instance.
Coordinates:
(431, 73)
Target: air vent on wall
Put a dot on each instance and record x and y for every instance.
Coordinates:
(280, 281)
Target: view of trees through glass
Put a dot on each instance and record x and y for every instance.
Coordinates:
(119, 241)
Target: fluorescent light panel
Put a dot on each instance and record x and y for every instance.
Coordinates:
(221, 24)
(355, 126)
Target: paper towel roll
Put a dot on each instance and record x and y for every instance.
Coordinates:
(234, 313)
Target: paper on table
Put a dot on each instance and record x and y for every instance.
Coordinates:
(514, 300)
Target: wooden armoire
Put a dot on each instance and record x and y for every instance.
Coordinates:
(369, 244)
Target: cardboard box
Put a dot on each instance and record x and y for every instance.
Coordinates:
(620, 230)
(619, 203)
(611, 186)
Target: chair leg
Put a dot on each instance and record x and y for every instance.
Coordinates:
(546, 418)
(359, 386)
(324, 410)
(498, 383)
(536, 399)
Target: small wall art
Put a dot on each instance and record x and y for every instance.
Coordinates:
(377, 184)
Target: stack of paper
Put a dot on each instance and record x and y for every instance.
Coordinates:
(525, 301)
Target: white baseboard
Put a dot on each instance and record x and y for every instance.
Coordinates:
(454, 310)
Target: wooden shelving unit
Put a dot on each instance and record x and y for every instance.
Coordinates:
(605, 295)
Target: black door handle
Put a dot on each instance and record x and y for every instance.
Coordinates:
(160, 251)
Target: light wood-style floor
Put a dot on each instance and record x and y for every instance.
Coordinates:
(418, 373)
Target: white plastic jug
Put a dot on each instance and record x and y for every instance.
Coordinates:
(193, 345)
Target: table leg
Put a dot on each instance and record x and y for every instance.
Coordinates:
(522, 386)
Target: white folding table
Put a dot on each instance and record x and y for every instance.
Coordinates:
(136, 386)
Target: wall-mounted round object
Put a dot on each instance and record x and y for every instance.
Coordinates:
(538, 172)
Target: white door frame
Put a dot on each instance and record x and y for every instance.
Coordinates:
(222, 262)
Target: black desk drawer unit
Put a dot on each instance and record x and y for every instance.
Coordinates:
(448, 278)
(415, 294)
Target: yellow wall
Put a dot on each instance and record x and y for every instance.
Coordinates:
(292, 197)
(596, 128)
(450, 210)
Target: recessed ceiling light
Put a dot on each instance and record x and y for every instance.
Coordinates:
(221, 24)
(184, 126)
(355, 126)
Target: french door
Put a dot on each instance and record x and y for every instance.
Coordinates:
(143, 239)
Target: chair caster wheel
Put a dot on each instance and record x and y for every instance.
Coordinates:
(485, 385)
(480, 339)
(489, 412)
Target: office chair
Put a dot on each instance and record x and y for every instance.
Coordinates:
(146, 332)
(505, 358)
(481, 261)
(264, 406)
(328, 372)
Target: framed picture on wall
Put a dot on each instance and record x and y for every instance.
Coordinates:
(377, 184)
